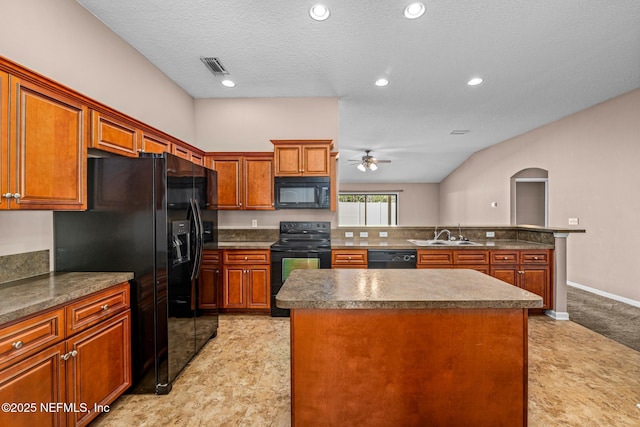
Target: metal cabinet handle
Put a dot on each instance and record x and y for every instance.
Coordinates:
(16, 195)
(74, 353)
(17, 345)
(504, 258)
(246, 258)
(349, 258)
(105, 307)
(535, 257)
(65, 356)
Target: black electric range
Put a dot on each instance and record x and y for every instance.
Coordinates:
(302, 245)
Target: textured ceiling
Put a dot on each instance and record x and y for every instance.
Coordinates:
(541, 60)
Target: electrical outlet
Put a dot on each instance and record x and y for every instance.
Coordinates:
(491, 234)
(574, 221)
(254, 222)
(364, 234)
(348, 234)
(383, 234)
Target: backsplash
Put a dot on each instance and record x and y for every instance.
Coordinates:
(21, 266)
(248, 234)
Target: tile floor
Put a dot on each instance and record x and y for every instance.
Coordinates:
(241, 378)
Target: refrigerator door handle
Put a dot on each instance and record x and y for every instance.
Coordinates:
(196, 226)
(200, 237)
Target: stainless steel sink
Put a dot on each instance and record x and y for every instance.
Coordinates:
(443, 242)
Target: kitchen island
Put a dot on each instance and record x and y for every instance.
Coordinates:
(407, 347)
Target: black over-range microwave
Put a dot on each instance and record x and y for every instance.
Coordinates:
(305, 192)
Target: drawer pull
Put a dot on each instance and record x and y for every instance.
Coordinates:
(105, 307)
(246, 258)
(349, 258)
(535, 257)
(504, 258)
(17, 345)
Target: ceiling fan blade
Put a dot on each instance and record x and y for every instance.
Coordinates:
(382, 161)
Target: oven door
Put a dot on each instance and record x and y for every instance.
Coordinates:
(284, 262)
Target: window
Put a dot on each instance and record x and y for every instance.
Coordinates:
(368, 209)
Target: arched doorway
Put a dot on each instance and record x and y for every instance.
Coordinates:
(530, 197)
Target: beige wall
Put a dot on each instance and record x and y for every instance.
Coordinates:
(249, 124)
(418, 203)
(63, 41)
(592, 158)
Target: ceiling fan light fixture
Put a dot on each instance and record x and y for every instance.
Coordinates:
(414, 11)
(319, 12)
(373, 166)
(362, 167)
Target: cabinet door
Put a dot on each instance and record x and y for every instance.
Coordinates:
(4, 140)
(315, 160)
(536, 280)
(258, 183)
(153, 144)
(100, 367)
(181, 152)
(233, 287)
(258, 289)
(48, 148)
(208, 280)
(38, 379)
(115, 135)
(432, 258)
(229, 182)
(197, 159)
(287, 160)
(506, 273)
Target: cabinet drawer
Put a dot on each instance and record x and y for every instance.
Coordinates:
(97, 307)
(471, 257)
(210, 257)
(30, 335)
(435, 258)
(505, 257)
(534, 257)
(356, 257)
(247, 257)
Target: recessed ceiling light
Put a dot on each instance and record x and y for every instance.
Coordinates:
(319, 12)
(228, 83)
(414, 11)
(382, 82)
(475, 81)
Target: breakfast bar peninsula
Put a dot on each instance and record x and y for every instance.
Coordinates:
(407, 348)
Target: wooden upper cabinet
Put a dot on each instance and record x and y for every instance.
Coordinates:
(114, 134)
(188, 154)
(4, 140)
(302, 157)
(48, 148)
(245, 180)
(155, 144)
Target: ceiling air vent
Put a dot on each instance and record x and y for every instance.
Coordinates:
(214, 65)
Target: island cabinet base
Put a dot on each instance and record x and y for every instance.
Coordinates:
(409, 367)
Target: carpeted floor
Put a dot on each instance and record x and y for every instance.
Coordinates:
(613, 319)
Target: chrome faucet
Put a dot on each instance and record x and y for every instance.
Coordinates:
(436, 234)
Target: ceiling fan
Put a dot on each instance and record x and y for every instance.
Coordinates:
(368, 162)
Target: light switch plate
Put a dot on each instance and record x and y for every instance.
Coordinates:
(254, 222)
(364, 234)
(574, 221)
(348, 234)
(491, 234)
(383, 234)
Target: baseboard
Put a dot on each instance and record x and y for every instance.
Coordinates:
(557, 315)
(605, 294)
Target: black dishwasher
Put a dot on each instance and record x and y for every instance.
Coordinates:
(390, 258)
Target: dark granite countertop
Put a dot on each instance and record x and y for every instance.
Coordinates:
(28, 296)
(239, 245)
(405, 244)
(400, 288)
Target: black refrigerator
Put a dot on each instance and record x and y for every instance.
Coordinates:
(151, 215)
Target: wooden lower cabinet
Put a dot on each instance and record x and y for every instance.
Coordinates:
(528, 269)
(209, 281)
(73, 380)
(246, 278)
